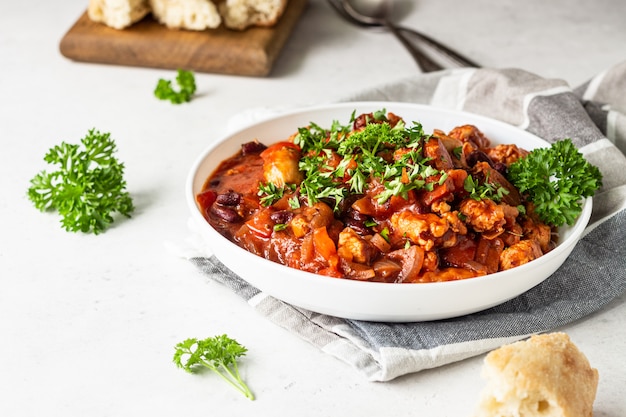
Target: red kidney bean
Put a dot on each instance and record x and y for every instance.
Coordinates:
(501, 168)
(281, 217)
(230, 198)
(252, 147)
(478, 156)
(355, 214)
(226, 213)
(357, 225)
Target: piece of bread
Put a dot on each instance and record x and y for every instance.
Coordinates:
(241, 14)
(544, 376)
(186, 14)
(117, 14)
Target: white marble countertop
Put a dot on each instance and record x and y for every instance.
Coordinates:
(88, 323)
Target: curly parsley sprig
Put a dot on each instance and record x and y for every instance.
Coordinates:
(88, 186)
(186, 88)
(556, 179)
(219, 354)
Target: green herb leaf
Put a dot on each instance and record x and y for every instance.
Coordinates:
(219, 354)
(279, 226)
(484, 191)
(271, 193)
(88, 186)
(385, 234)
(186, 88)
(555, 180)
(364, 154)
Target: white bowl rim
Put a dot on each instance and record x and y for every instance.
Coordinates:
(574, 233)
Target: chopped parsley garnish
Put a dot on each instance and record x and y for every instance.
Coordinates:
(271, 193)
(369, 223)
(364, 154)
(483, 191)
(279, 226)
(294, 203)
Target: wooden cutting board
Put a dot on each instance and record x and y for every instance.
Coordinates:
(147, 43)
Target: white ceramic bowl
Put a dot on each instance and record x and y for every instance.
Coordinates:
(369, 300)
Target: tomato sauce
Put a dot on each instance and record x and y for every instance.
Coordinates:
(309, 206)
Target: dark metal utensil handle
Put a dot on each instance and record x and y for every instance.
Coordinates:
(422, 60)
(439, 47)
(400, 31)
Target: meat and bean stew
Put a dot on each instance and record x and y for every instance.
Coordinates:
(378, 200)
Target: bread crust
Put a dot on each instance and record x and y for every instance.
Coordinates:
(546, 375)
(118, 14)
(186, 14)
(242, 14)
(189, 14)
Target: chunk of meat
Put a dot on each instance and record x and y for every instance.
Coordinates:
(456, 225)
(522, 252)
(484, 216)
(506, 154)
(470, 133)
(539, 232)
(311, 217)
(424, 230)
(354, 248)
(431, 261)
(280, 164)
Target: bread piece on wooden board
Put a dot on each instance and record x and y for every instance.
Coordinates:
(544, 376)
(118, 14)
(147, 43)
(241, 14)
(186, 14)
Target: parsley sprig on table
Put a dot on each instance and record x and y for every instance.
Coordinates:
(186, 88)
(217, 353)
(88, 186)
(555, 180)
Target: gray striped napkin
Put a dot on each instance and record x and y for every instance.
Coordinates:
(594, 116)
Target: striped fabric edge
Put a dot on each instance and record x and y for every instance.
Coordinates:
(399, 361)
(593, 85)
(451, 91)
(607, 87)
(616, 128)
(389, 363)
(528, 98)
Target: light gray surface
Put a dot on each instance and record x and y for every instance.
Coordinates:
(89, 323)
